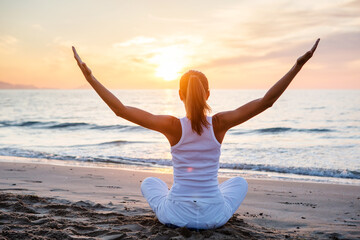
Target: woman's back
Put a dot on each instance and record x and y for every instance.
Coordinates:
(196, 165)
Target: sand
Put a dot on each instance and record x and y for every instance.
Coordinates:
(42, 201)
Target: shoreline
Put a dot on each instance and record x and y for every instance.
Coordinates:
(284, 208)
(223, 172)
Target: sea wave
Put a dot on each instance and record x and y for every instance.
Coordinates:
(22, 123)
(84, 125)
(318, 172)
(110, 143)
(275, 130)
(69, 125)
(66, 125)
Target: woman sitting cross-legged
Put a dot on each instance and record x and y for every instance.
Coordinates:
(196, 199)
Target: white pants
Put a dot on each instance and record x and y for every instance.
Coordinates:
(190, 214)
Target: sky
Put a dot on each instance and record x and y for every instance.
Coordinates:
(148, 44)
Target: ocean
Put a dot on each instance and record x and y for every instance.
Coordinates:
(308, 135)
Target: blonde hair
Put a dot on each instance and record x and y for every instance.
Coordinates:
(194, 87)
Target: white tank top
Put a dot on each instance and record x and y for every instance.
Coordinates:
(196, 164)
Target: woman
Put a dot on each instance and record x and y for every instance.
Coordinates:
(195, 200)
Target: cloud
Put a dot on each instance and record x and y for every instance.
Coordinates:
(140, 40)
(8, 44)
(338, 49)
(273, 21)
(37, 27)
(353, 4)
(228, 61)
(143, 50)
(177, 20)
(280, 31)
(355, 64)
(58, 54)
(62, 47)
(160, 41)
(8, 40)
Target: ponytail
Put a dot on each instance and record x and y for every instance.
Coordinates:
(195, 99)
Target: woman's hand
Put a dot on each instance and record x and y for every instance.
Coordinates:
(304, 58)
(85, 70)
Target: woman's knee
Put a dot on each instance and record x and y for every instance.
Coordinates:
(243, 185)
(237, 186)
(241, 181)
(238, 182)
(153, 184)
(147, 182)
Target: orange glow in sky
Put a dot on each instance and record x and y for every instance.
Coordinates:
(170, 61)
(149, 44)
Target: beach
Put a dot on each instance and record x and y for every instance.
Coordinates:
(66, 202)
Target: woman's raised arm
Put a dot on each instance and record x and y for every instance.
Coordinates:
(223, 121)
(168, 125)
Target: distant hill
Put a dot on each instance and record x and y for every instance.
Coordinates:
(5, 85)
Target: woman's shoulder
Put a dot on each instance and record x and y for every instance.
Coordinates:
(175, 129)
(175, 122)
(217, 125)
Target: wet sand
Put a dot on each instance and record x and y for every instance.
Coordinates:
(66, 202)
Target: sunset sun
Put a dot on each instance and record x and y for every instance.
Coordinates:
(170, 61)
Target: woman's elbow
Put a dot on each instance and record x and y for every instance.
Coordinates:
(267, 103)
(119, 112)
